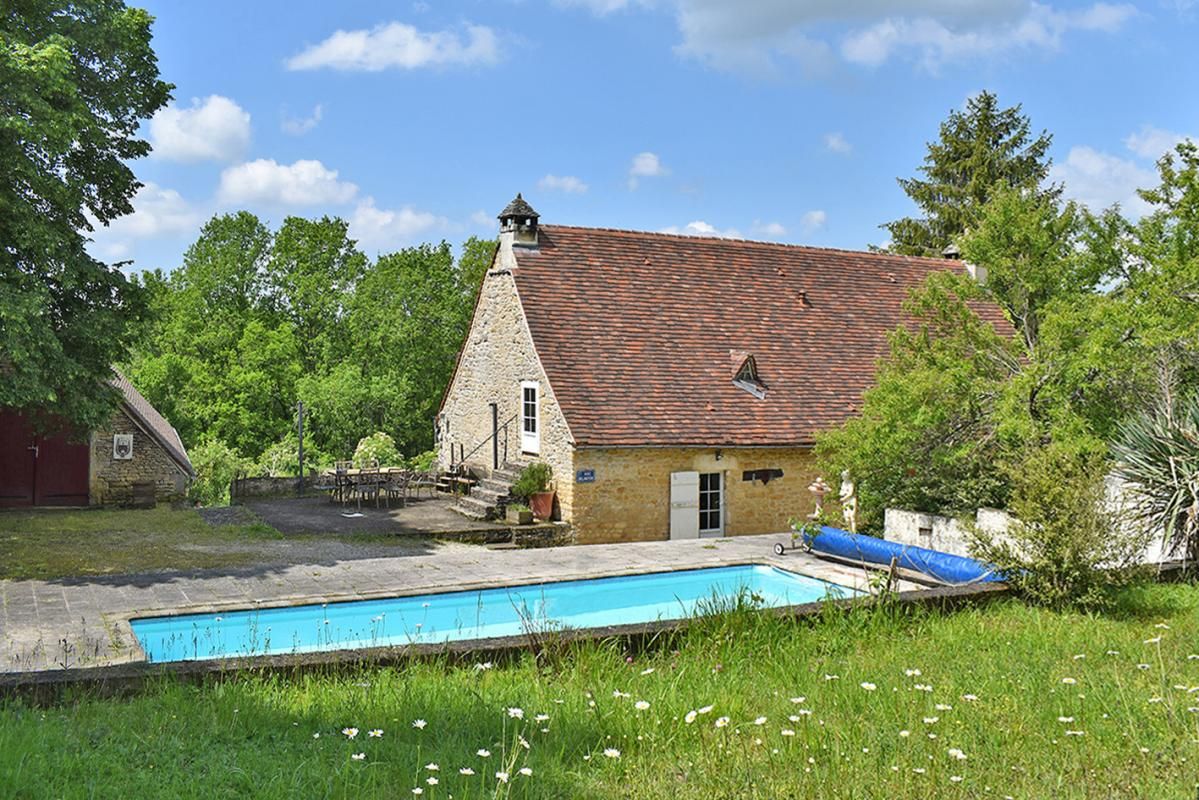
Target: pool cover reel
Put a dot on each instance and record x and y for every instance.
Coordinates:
(943, 567)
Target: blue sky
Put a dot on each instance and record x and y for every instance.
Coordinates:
(786, 120)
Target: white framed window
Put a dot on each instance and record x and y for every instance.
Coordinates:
(530, 420)
(711, 503)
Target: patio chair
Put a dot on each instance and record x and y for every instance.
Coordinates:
(343, 484)
(370, 484)
(423, 480)
(396, 486)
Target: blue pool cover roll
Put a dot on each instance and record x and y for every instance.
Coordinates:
(943, 567)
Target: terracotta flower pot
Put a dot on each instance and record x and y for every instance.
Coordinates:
(542, 504)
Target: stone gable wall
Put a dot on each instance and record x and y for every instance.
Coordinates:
(112, 479)
(629, 501)
(498, 355)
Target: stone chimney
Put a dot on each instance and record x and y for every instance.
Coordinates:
(518, 224)
(978, 273)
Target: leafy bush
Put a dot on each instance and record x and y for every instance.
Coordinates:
(282, 459)
(423, 462)
(533, 479)
(377, 447)
(216, 466)
(1065, 545)
(1158, 455)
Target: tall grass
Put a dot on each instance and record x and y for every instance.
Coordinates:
(883, 702)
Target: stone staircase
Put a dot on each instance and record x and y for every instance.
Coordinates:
(489, 497)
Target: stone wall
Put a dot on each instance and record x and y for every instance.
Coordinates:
(949, 535)
(267, 486)
(630, 497)
(928, 530)
(112, 479)
(498, 355)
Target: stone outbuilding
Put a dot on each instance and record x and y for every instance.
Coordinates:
(674, 384)
(135, 458)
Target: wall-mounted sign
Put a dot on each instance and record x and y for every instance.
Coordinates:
(122, 446)
(585, 476)
(763, 475)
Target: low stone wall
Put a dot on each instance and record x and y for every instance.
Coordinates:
(945, 534)
(266, 486)
(548, 534)
(949, 535)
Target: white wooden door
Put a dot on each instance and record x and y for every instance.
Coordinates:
(684, 505)
(530, 423)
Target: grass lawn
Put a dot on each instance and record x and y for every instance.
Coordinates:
(993, 702)
(54, 544)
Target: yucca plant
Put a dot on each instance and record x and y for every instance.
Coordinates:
(1157, 454)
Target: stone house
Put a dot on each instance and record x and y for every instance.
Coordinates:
(135, 457)
(673, 383)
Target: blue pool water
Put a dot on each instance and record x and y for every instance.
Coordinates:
(438, 618)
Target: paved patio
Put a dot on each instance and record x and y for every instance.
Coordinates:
(49, 625)
(426, 516)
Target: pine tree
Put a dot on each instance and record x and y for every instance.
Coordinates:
(980, 150)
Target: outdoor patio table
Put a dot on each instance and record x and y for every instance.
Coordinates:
(352, 476)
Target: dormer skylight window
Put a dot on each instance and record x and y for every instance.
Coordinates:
(746, 378)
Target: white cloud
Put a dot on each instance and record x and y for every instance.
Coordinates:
(701, 228)
(396, 45)
(760, 36)
(1151, 142)
(1098, 180)
(837, 143)
(645, 165)
(212, 129)
(303, 183)
(156, 212)
(598, 7)
(562, 183)
(378, 228)
(481, 219)
(932, 41)
(298, 126)
(769, 230)
(813, 221)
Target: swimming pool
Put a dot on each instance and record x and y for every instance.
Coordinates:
(479, 614)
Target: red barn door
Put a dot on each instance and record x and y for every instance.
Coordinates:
(61, 475)
(17, 460)
(48, 470)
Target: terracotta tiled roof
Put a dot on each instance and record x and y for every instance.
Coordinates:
(637, 333)
(153, 422)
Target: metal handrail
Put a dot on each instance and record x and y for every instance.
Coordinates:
(454, 467)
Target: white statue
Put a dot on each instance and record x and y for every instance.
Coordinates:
(849, 502)
(818, 488)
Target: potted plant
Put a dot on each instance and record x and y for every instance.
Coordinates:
(533, 487)
(519, 514)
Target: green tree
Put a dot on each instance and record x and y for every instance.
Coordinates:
(926, 439)
(78, 78)
(981, 149)
(409, 316)
(315, 267)
(224, 359)
(964, 395)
